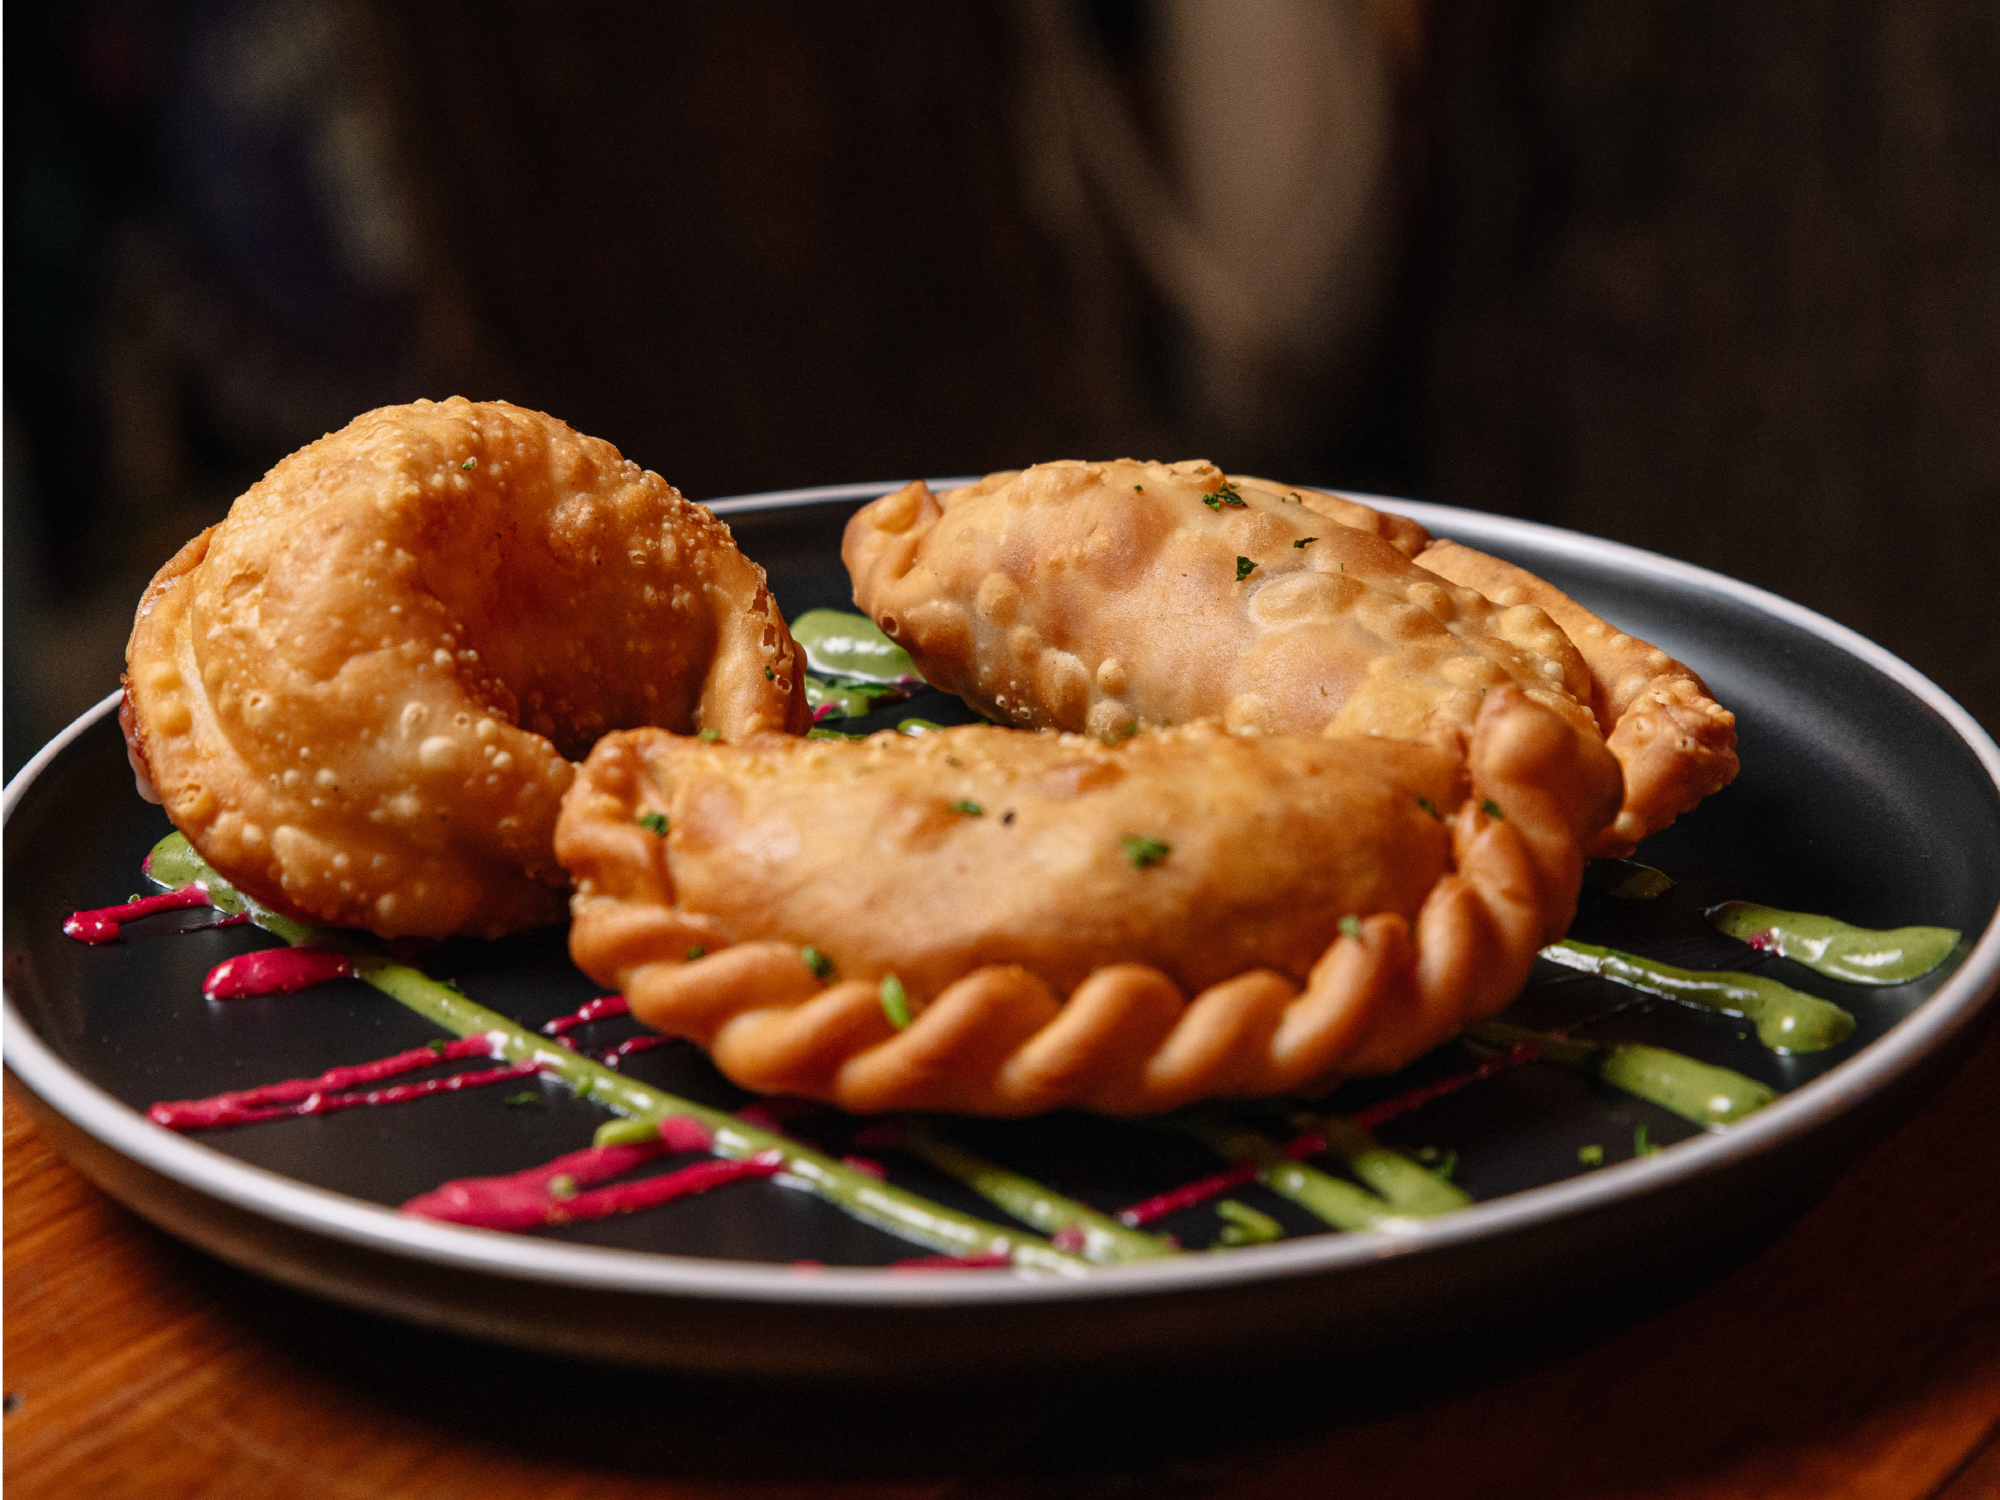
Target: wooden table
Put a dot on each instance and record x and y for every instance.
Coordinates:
(1856, 1355)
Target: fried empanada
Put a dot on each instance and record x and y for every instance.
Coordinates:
(1102, 597)
(1048, 904)
(357, 695)
(1098, 597)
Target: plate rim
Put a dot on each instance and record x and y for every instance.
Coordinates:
(189, 1163)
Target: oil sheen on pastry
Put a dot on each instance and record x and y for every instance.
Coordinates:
(358, 696)
(1188, 914)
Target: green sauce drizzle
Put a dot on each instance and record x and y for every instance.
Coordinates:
(1696, 1091)
(1787, 1020)
(1105, 1240)
(841, 644)
(1858, 955)
(1626, 880)
(1338, 1202)
(1405, 1185)
(901, 1213)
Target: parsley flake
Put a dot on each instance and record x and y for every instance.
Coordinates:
(526, 1099)
(710, 736)
(1244, 568)
(1144, 852)
(696, 952)
(1350, 926)
(1430, 807)
(1492, 809)
(1305, 541)
(1224, 494)
(1590, 1156)
(469, 465)
(970, 809)
(818, 962)
(1293, 497)
(769, 675)
(654, 823)
(895, 1003)
(1138, 489)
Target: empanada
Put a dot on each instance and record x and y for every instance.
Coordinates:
(1099, 597)
(357, 695)
(1047, 904)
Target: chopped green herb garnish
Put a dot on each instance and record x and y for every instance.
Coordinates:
(818, 962)
(970, 809)
(710, 736)
(1244, 568)
(1430, 807)
(1293, 497)
(895, 1004)
(1138, 489)
(769, 675)
(654, 823)
(695, 952)
(526, 1099)
(1590, 1156)
(1640, 1145)
(1492, 809)
(1143, 852)
(469, 465)
(1224, 495)
(1350, 926)
(1305, 541)
(1245, 1225)
(437, 1045)
(562, 1186)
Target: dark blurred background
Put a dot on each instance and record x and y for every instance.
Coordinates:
(1719, 280)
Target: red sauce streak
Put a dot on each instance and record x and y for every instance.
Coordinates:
(337, 1089)
(989, 1261)
(1312, 1142)
(603, 1008)
(555, 1192)
(1402, 1104)
(102, 924)
(626, 1048)
(274, 971)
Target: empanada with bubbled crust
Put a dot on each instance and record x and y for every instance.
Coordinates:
(358, 694)
(1188, 914)
(1097, 597)
(1103, 596)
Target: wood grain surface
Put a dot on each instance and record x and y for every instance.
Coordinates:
(1857, 1355)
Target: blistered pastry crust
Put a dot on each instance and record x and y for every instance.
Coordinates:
(1100, 597)
(1322, 907)
(357, 695)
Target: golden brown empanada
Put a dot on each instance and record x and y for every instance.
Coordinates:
(1048, 904)
(356, 695)
(1104, 596)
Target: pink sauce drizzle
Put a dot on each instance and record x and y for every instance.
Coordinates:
(603, 1008)
(337, 1089)
(626, 1048)
(1403, 1103)
(274, 971)
(1312, 1142)
(552, 1193)
(102, 924)
(989, 1261)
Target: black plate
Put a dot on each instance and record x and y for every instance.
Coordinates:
(1865, 793)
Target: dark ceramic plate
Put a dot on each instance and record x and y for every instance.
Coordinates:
(1866, 793)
